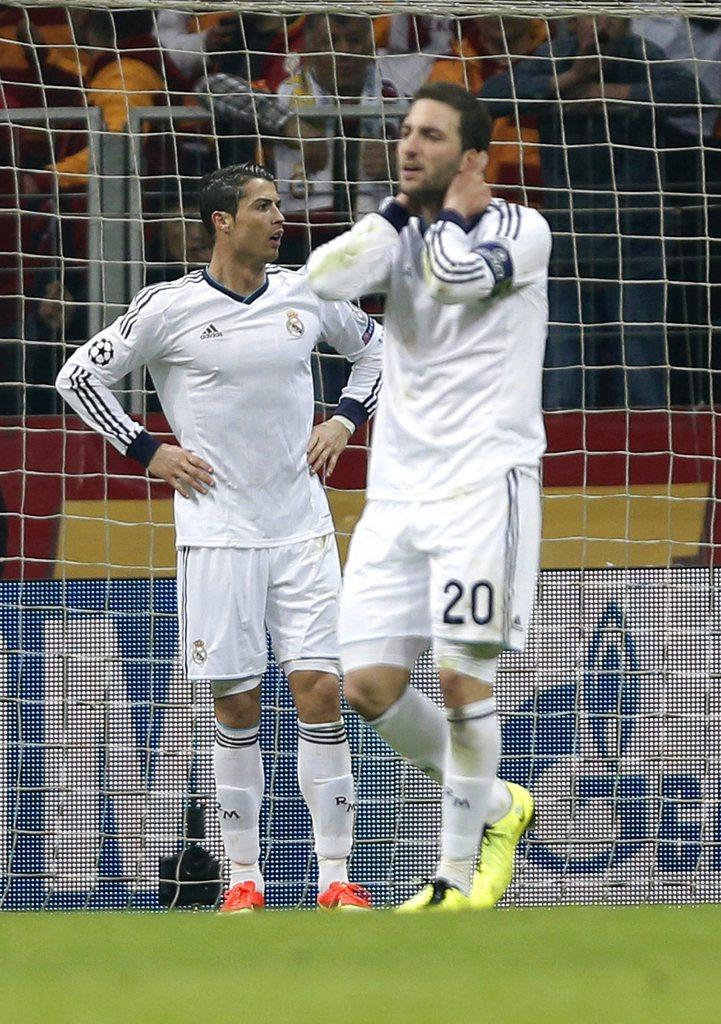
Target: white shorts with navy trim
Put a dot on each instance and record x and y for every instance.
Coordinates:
(461, 569)
(228, 596)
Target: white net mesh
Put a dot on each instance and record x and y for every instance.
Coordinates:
(108, 119)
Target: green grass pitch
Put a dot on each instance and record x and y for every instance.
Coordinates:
(572, 964)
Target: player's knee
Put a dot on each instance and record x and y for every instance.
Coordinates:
(316, 696)
(365, 694)
(238, 710)
(467, 671)
(459, 689)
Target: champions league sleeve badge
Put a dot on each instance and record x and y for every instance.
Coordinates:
(101, 352)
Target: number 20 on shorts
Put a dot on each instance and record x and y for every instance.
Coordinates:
(481, 594)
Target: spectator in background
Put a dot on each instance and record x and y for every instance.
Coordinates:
(407, 45)
(119, 67)
(176, 243)
(693, 167)
(50, 314)
(244, 44)
(193, 40)
(602, 109)
(696, 42)
(356, 169)
(351, 174)
(328, 170)
(256, 50)
(40, 66)
(485, 48)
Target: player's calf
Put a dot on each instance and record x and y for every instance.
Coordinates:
(376, 685)
(472, 756)
(324, 774)
(239, 779)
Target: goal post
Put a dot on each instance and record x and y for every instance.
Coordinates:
(611, 715)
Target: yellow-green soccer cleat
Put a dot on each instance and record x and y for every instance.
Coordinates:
(436, 895)
(498, 847)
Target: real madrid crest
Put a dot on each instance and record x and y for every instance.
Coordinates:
(199, 653)
(294, 324)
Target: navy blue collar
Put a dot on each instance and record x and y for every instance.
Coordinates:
(245, 299)
(469, 225)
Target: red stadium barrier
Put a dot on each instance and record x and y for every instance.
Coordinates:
(53, 459)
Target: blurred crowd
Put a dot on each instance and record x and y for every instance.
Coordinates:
(610, 125)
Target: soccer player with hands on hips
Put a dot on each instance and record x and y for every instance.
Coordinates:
(447, 549)
(229, 350)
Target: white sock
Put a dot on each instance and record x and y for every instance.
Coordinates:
(472, 760)
(239, 783)
(418, 730)
(499, 801)
(326, 782)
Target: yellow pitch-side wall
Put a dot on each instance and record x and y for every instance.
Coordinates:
(593, 528)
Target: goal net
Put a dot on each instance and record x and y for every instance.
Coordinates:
(605, 117)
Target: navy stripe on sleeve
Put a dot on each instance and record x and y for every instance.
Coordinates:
(496, 262)
(447, 269)
(371, 402)
(102, 414)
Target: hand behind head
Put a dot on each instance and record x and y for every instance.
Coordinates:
(468, 193)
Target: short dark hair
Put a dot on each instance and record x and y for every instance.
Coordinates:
(475, 119)
(223, 189)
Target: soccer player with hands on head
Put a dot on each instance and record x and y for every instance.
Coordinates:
(229, 350)
(447, 549)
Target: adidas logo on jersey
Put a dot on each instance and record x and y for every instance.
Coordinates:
(211, 331)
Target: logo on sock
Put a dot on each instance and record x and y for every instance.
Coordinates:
(343, 801)
(228, 814)
(458, 801)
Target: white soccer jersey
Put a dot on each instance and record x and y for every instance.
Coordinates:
(466, 322)
(233, 375)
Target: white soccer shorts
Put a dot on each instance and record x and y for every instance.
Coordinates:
(227, 597)
(462, 569)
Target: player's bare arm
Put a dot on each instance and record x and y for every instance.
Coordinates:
(182, 469)
(327, 442)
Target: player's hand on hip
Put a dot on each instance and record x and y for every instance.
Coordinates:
(183, 470)
(327, 441)
(469, 193)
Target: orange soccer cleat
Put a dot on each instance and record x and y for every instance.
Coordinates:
(345, 896)
(242, 898)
